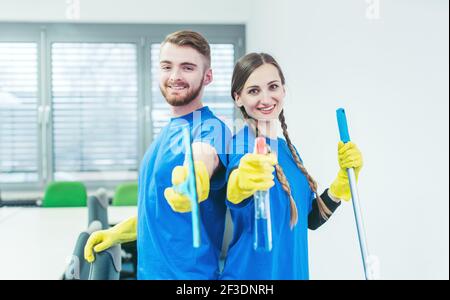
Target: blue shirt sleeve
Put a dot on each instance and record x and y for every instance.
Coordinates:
(217, 134)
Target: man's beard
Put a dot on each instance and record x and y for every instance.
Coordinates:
(181, 100)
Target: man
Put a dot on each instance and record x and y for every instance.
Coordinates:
(163, 227)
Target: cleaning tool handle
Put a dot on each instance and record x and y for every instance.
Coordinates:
(191, 188)
(345, 138)
(342, 124)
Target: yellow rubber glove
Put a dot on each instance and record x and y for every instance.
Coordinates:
(255, 173)
(179, 202)
(101, 240)
(349, 156)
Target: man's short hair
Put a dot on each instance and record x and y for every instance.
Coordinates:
(190, 39)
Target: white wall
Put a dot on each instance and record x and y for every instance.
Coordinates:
(128, 11)
(391, 75)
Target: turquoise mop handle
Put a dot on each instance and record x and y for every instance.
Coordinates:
(189, 187)
(345, 138)
(343, 127)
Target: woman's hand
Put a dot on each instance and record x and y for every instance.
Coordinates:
(255, 173)
(349, 156)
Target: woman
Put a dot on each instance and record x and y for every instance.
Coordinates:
(258, 89)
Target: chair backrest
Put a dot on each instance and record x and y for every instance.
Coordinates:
(126, 194)
(107, 264)
(98, 209)
(65, 194)
(78, 267)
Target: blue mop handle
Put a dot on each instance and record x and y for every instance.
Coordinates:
(189, 187)
(345, 138)
(343, 127)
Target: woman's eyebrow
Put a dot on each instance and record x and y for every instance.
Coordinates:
(257, 86)
(273, 81)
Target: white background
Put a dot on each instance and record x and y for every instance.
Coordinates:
(386, 62)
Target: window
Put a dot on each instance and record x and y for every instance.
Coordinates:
(18, 112)
(94, 99)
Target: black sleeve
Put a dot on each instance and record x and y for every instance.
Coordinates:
(315, 220)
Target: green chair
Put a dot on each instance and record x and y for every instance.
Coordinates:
(65, 194)
(126, 194)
